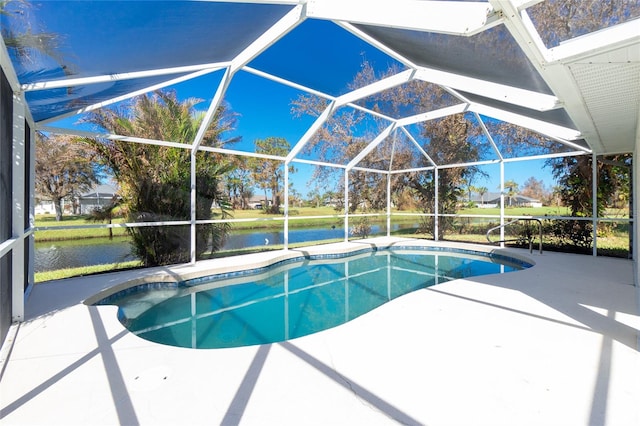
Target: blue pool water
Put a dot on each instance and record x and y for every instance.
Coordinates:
(290, 299)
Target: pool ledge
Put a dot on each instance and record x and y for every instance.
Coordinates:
(256, 261)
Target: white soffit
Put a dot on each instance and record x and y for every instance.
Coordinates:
(611, 94)
(601, 89)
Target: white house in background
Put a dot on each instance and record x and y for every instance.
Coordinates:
(492, 199)
(96, 197)
(487, 201)
(259, 202)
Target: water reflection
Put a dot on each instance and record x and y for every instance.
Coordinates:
(286, 301)
(50, 256)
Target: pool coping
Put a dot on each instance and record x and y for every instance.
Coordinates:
(257, 262)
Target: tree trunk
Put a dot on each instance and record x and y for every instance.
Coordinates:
(57, 203)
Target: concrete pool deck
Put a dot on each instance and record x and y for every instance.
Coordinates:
(556, 344)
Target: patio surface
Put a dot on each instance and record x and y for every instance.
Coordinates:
(556, 344)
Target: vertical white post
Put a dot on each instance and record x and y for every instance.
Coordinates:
(346, 205)
(346, 291)
(286, 305)
(388, 204)
(193, 206)
(594, 201)
(436, 210)
(388, 275)
(286, 206)
(502, 203)
(19, 197)
(32, 203)
(393, 152)
(194, 322)
(635, 188)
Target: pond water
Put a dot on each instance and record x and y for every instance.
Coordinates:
(54, 255)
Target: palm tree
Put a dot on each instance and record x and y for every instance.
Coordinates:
(481, 191)
(154, 180)
(512, 189)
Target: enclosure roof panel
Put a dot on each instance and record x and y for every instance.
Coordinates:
(504, 59)
(492, 55)
(113, 37)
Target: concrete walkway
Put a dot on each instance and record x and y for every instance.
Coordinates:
(556, 344)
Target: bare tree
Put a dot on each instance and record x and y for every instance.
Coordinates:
(269, 174)
(64, 168)
(534, 188)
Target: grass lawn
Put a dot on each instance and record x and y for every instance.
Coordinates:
(83, 270)
(67, 234)
(267, 221)
(275, 221)
(518, 211)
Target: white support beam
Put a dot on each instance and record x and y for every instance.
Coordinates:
(375, 43)
(129, 95)
(242, 153)
(111, 136)
(446, 17)
(634, 215)
(382, 136)
(278, 30)
(193, 214)
(286, 207)
(523, 31)
(7, 67)
(213, 107)
(7, 246)
(487, 162)
(433, 115)
(547, 156)
(469, 164)
(287, 23)
(368, 170)
(82, 81)
(500, 92)
(346, 206)
(619, 36)
(416, 169)
(436, 209)
(319, 163)
(502, 204)
(19, 195)
(378, 86)
(371, 112)
(488, 135)
(417, 145)
(524, 4)
(286, 82)
(552, 130)
(594, 202)
(322, 118)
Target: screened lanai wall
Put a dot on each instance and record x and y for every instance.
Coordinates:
(493, 62)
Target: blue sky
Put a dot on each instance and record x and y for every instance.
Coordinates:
(263, 107)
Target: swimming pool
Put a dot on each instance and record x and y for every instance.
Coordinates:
(292, 298)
